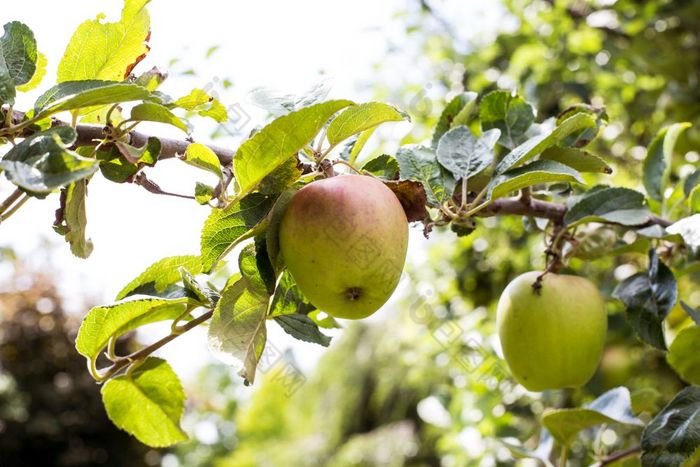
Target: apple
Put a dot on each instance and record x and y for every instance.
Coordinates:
(344, 241)
(552, 338)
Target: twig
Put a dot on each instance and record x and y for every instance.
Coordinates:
(9, 201)
(4, 216)
(122, 362)
(619, 455)
(154, 188)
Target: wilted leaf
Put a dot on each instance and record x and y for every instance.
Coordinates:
(419, 163)
(412, 197)
(148, 403)
(76, 219)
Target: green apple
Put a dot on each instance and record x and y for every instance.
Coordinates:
(344, 241)
(552, 338)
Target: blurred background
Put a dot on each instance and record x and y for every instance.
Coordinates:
(419, 384)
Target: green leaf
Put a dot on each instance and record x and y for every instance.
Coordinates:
(689, 229)
(103, 322)
(288, 298)
(41, 162)
(146, 155)
(613, 407)
(683, 355)
(383, 166)
(540, 171)
(237, 333)
(352, 149)
(41, 63)
(420, 163)
(283, 177)
(616, 205)
(692, 181)
(151, 79)
(585, 135)
(658, 161)
(359, 118)
(204, 295)
(508, 113)
(542, 453)
(203, 158)
(18, 58)
(272, 232)
(456, 112)
(114, 166)
(203, 193)
(203, 104)
(148, 403)
(323, 319)
(303, 328)
(278, 141)
(76, 219)
(72, 95)
(693, 313)
(225, 228)
(578, 159)
(673, 436)
(107, 51)
(153, 112)
(534, 146)
(464, 154)
(649, 297)
(156, 279)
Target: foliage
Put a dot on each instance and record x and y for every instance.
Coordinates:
(532, 154)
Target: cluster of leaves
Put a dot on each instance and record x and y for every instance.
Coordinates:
(482, 151)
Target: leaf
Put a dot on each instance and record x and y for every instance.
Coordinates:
(288, 298)
(584, 136)
(283, 177)
(114, 166)
(456, 113)
(649, 297)
(203, 104)
(542, 453)
(107, 51)
(412, 197)
(383, 166)
(204, 295)
(272, 232)
(534, 146)
(419, 163)
(203, 158)
(203, 193)
(237, 333)
(614, 406)
(18, 58)
(464, 154)
(353, 148)
(41, 63)
(148, 403)
(146, 155)
(161, 274)
(536, 172)
(323, 319)
(692, 181)
(278, 141)
(507, 112)
(153, 112)
(658, 161)
(303, 328)
(76, 219)
(578, 159)
(694, 314)
(72, 95)
(683, 355)
(103, 322)
(361, 117)
(41, 162)
(689, 229)
(616, 205)
(224, 228)
(674, 434)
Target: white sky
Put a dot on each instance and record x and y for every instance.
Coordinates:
(279, 44)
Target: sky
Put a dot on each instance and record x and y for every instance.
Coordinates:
(287, 46)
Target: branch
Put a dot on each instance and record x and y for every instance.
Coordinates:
(169, 148)
(544, 209)
(123, 362)
(14, 196)
(619, 455)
